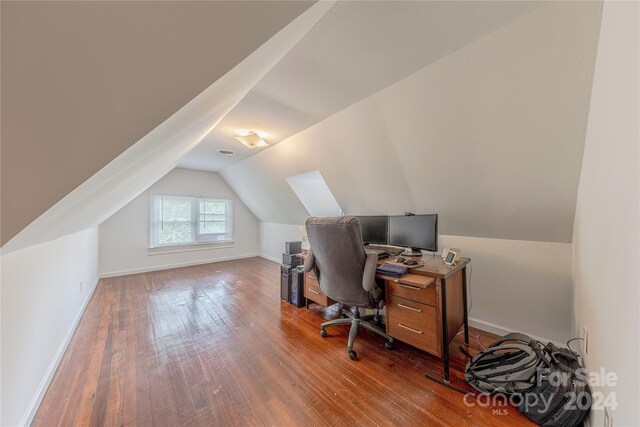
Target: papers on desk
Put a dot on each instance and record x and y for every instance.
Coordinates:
(392, 270)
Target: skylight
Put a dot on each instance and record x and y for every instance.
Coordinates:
(314, 193)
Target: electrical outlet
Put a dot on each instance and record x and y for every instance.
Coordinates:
(608, 418)
(585, 340)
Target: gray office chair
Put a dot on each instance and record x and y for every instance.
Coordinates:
(346, 273)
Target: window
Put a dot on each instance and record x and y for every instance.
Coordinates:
(179, 220)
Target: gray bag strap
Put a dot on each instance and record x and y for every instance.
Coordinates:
(507, 368)
(514, 336)
(535, 345)
(503, 368)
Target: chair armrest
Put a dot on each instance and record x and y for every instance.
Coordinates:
(309, 262)
(369, 274)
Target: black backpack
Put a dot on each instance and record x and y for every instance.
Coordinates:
(561, 396)
(548, 380)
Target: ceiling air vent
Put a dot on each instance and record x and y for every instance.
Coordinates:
(227, 152)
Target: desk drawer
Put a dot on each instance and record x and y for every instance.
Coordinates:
(413, 323)
(312, 291)
(413, 292)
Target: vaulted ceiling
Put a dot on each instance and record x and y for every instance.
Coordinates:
(356, 50)
(83, 81)
(490, 137)
(473, 110)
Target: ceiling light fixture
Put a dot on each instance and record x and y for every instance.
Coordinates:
(245, 132)
(251, 139)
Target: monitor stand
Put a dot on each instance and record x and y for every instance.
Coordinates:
(413, 252)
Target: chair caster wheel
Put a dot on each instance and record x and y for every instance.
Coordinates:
(323, 333)
(353, 355)
(388, 345)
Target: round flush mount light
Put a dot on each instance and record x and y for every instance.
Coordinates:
(226, 152)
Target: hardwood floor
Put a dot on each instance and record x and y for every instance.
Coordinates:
(214, 345)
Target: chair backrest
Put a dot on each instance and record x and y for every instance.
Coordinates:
(336, 243)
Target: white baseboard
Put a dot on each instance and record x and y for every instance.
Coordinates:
(270, 258)
(33, 406)
(176, 265)
(503, 330)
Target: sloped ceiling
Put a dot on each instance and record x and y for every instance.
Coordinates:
(83, 81)
(359, 48)
(159, 151)
(489, 137)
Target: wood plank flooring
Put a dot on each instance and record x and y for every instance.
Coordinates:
(213, 345)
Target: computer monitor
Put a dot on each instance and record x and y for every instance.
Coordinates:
(415, 232)
(374, 228)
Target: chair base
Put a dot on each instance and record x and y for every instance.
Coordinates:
(369, 322)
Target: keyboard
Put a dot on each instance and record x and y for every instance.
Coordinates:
(389, 250)
(381, 253)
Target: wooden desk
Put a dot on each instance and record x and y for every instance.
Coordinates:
(312, 291)
(427, 306)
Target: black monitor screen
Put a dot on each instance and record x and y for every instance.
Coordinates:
(374, 229)
(414, 231)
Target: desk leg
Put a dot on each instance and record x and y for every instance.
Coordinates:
(445, 331)
(465, 307)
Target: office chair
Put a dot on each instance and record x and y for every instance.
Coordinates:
(346, 274)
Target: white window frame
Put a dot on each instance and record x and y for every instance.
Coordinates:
(196, 238)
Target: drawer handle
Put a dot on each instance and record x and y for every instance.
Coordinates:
(314, 291)
(411, 329)
(418, 310)
(413, 288)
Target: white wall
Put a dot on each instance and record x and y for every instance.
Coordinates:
(124, 238)
(490, 137)
(606, 232)
(42, 301)
(518, 285)
(515, 285)
(273, 236)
